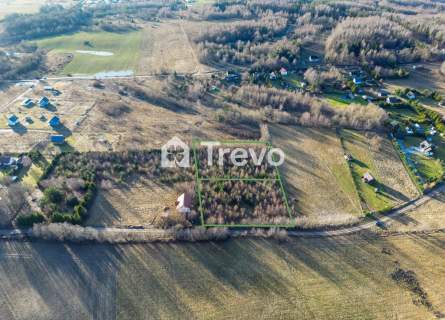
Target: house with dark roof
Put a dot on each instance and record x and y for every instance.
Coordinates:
(393, 100)
(7, 161)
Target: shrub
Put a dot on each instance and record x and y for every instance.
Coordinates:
(27, 221)
(72, 201)
(53, 195)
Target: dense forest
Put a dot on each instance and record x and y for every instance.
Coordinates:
(381, 36)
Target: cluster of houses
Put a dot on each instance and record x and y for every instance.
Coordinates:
(282, 72)
(44, 102)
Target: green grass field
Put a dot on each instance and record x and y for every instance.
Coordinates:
(337, 100)
(124, 46)
(357, 145)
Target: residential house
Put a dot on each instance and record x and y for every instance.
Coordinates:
(411, 95)
(393, 100)
(54, 122)
(27, 103)
(232, 76)
(184, 203)
(368, 178)
(283, 72)
(7, 161)
(13, 120)
(43, 102)
(433, 131)
(357, 81)
(426, 148)
(382, 94)
(418, 128)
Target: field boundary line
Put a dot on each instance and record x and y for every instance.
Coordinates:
(360, 198)
(277, 179)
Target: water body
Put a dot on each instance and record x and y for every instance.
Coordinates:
(121, 73)
(96, 53)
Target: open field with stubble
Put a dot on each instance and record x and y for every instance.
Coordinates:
(426, 76)
(137, 205)
(317, 278)
(315, 171)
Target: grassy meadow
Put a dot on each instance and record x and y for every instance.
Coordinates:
(125, 48)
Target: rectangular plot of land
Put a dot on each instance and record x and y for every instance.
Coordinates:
(240, 194)
(315, 172)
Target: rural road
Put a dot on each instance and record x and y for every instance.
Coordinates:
(158, 234)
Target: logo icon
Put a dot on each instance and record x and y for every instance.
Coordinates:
(175, 153)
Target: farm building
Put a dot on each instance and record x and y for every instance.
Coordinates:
(57, 139)
(13, 120)
(43, 102)
(184, 203)
(54, 122)
(27, 103)
(368, 178)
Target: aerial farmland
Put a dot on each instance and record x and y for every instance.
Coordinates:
(222, 159)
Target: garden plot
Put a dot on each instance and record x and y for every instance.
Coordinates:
(315, 173)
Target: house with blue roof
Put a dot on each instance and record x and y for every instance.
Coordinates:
(57, 139)
(43, 102)
(13, 120)
(54, 122)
